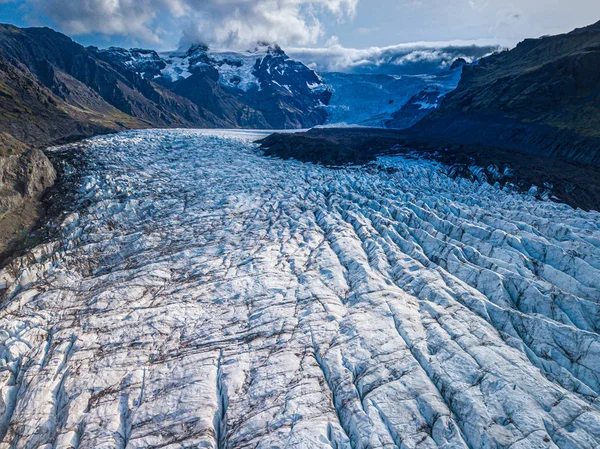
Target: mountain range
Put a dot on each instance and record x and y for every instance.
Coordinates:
(77, 91)
(53, 91)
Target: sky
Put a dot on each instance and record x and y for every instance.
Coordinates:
(341, 29)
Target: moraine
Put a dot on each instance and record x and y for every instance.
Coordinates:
(198, 294)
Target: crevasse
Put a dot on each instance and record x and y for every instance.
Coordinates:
(198, 294)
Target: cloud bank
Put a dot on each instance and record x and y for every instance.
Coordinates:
(228, 23)
(240, 24)
(404, 59)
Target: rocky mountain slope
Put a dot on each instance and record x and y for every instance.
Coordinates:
(542, 97)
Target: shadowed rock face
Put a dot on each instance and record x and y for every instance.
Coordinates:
(542, 97)
(197, 294)
(33, 115)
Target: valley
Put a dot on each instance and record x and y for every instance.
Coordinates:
(192, 292)
(385, 247)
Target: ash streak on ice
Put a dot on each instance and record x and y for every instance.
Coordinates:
(201, 295)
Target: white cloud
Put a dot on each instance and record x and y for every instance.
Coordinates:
(110, 17)
(305, 23)
(413, 58)
(231, 23)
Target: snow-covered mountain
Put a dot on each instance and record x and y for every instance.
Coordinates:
(336, 98)
(418, 106)
(373, 100)
(285, 92)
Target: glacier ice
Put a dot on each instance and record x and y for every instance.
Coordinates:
(373, 99)
(197, 294)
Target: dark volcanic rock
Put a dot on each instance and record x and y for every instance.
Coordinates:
(203, 89)
(312, 146)
(34, 115)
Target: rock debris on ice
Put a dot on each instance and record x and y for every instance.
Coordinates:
(199, 295)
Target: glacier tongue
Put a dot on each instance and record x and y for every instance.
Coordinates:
(197, 294)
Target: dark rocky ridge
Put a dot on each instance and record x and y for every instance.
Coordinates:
(534, 109)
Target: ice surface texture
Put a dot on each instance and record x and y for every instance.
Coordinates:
(200, 295)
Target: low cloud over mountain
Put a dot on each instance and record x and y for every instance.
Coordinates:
(415, 58)
(231, 23)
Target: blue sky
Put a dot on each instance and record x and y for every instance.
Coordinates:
(358, 24)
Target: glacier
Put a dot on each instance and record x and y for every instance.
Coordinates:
(193, 293)
(373, 99)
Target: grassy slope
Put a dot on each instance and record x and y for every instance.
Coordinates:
(542, 97)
